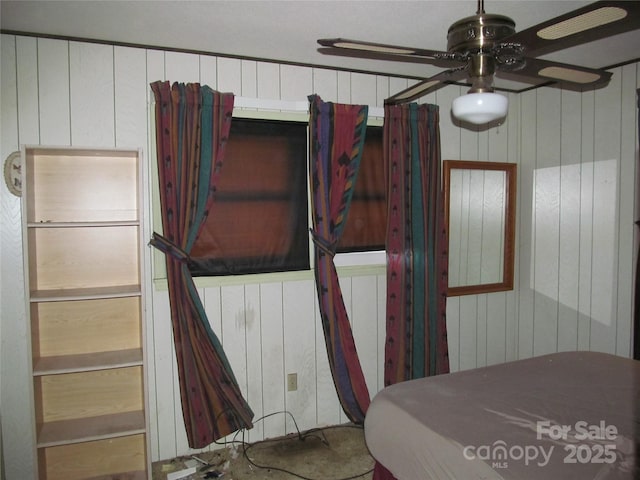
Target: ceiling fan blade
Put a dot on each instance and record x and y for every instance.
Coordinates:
(593, 22)
(568, 76)
(380, 48)
(353, 53)
(426, 86)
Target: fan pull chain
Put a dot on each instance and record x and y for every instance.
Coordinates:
(480, 7)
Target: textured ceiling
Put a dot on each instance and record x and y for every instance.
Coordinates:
(286, 31)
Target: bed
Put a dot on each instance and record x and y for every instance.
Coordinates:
(571, 415)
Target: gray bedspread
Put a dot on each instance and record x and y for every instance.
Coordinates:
(571, 415)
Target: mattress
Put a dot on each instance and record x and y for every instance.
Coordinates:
(571, 415)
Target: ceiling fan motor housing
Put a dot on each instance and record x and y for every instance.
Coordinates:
(475, 38)
(478, 33)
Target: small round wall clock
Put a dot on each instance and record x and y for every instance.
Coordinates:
(13, 173)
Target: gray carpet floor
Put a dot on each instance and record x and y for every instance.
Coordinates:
(332, 453)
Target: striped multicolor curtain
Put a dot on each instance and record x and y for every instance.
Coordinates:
(416, 343)
(192, 126)
(337, 135)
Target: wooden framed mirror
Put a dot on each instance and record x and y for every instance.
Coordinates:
(480, 215)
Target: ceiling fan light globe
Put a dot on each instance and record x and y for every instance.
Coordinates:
(480, 108)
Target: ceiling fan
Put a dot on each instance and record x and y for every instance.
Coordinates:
(484, 45)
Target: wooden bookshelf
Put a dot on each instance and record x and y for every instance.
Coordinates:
(83, 256)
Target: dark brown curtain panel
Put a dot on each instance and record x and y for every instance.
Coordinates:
(337, 134)
(192, 127)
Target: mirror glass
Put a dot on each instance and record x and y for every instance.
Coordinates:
(480, 219)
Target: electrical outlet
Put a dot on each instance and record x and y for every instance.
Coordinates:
(292, 382)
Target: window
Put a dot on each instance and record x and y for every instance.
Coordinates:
(259, 221)
(366, 222)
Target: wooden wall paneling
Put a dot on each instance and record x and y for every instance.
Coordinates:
(587, 180)
(163, 398)
(249, 79)
(511, 297)
(481, 329)
(182, 67)
(453, 332)
(154, 68)
(14, 53)
(233, 333)
(229, 75)
(397, 85)
(181, 444)
(344, 87)
(346, 287)
(296, 83)
(233, 330)
(498, 138)
(482, 305)
(511, 333)
(211, 298)
(528, 115)
(626, 254)
(329, 410)
(26, 56)
(468, 335)
(483, 144)
(130, 97)
(569, 234)
(268, 76)
(482, 301)
(53, 89)
(364, 315)
(325, 84)
(496, 323)
(430, 99)
(18, 455)
(208, 70)
(253, 331)
(450, 142)
(273, 356)
(299, 343)
(363, 89)
(10, 49)
(382, 90)
(546, 210)
(92, 96)
(606, 215)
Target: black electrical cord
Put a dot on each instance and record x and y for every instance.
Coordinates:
(300, 436)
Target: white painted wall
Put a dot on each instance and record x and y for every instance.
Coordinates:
(574, 258)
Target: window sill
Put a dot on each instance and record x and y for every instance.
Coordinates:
(347, 264)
